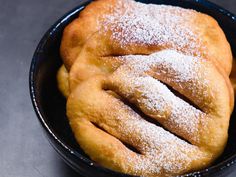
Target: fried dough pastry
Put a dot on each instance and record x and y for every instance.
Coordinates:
(147, 87)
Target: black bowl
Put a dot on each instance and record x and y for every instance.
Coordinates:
(49, 104)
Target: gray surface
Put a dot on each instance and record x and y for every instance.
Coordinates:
(24, 151)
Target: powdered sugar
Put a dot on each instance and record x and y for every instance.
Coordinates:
(181, 67)
(160, 149)
(154, 98)
(160, 25)
(156, 95)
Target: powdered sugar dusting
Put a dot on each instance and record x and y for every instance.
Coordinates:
(160, 149)
(155, 98)
(160, 25)
(182, 115)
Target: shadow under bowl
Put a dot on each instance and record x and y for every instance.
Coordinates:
(50, 105)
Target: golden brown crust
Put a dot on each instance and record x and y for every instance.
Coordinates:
(77, 32)
(90, 20)
(122, 125)
(215, 39)
(170, 64)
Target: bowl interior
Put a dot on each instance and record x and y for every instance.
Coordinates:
(47, 60)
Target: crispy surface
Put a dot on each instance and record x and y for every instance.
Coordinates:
(124, 74)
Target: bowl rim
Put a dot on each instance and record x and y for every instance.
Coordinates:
(226, 163)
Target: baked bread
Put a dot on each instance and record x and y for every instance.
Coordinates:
(147, 86)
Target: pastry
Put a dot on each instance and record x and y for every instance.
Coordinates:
(147, 87)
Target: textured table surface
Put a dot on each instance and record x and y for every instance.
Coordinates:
(24, 150)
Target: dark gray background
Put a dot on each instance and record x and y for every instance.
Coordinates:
(24, 150)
